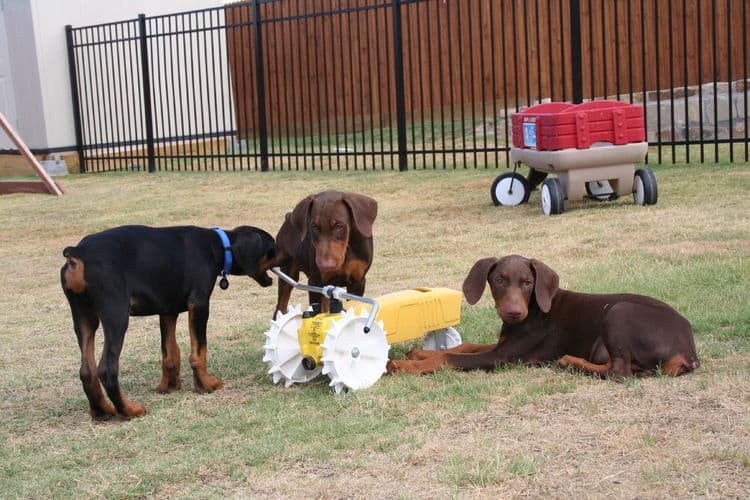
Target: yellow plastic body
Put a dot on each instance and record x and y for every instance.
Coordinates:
(406, 315)
(312, 334)
(409, 314)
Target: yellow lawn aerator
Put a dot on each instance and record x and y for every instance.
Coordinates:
(350, 343)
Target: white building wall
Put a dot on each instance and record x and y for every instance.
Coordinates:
(23, 85)
(39, 60)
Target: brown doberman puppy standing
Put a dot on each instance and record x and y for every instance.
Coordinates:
(610, 335)
(328, 236)
(141, 271)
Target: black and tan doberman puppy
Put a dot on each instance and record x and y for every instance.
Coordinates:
(140, 271)
(328, 236)
(610, 335)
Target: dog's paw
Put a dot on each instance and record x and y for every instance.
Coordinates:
(131, 409)
(103, 412)
(208, 383)
(391, 367)
(564, 362)
(167, 386)
(417, 354)
(401, 367)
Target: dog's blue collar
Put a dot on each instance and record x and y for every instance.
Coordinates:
(227, 250)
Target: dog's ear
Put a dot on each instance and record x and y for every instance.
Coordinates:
(475, 282)
(254, 250)
(546, 284)
(300, 216)
(364, 210)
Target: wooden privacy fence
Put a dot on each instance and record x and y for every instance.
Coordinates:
(325, 60)
(634, 45)
(329, 60)
(384, 84)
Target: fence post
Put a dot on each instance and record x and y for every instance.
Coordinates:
(260, 87)
(146, 77)
(575, 51)
(398, 74)
(76, 98)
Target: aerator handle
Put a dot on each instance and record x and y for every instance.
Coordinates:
(332, 292)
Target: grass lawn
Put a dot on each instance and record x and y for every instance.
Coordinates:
(514, 432)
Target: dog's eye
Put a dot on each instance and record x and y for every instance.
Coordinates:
(501, 281)
(528, 283)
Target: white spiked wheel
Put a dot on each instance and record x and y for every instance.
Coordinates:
(282, 350)
(352, 358)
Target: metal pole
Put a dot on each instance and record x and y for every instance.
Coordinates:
(260, 88)
(399, 77)
(575, 51)
(332, 292)
(76, 98)
(146, 77)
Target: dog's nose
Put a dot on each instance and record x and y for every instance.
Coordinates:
(514, 316)
(512, 313)
(327, 264)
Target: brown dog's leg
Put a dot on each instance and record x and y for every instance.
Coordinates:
(485, 357)
(429, 365)
(285, 289)
(170, 352)
(325, 302)
(357, 287)
(197, 319)
(583, 365)
(418, 354)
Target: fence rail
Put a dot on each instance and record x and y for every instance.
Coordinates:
(399, 84)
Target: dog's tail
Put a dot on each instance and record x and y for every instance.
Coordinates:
(71, 274)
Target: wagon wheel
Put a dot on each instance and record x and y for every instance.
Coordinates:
(352, 358)
(553, 200)
(644, 187)
(509, 189)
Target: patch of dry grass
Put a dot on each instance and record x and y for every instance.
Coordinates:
(516, 432)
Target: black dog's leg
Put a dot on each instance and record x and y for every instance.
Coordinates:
(85, 323)
(170, 355)
(197, 319)
(114, 316)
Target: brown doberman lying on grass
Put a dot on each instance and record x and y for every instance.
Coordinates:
(328, 236)
(141, 271)
(609, 335)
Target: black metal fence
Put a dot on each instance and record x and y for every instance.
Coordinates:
(399, 84)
